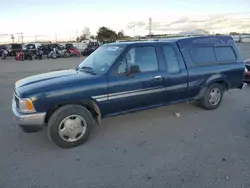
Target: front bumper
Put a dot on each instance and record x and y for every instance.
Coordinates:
(34, 119)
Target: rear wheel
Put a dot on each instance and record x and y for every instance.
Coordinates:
(212, 97)
(70, 126)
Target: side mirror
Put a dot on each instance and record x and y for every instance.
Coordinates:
(134, 69)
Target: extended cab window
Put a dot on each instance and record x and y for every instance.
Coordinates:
(144, 57)
(171, 59)
(212, 55)
(203, 55)
(224, 53)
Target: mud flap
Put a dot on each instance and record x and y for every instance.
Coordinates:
(242, 86)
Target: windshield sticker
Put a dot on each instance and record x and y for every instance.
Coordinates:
(113, 48)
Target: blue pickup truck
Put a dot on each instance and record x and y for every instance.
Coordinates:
(125, 77)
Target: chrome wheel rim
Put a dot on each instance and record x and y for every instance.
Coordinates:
(72, 128)
(214, 96)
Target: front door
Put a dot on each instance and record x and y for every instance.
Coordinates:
(140, 90)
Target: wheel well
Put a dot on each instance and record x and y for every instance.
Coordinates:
(224, 85)
(202, 92)
(89, 104)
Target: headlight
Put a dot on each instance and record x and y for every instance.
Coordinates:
(26, 106)
(246, 69)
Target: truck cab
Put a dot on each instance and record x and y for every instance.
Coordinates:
(125, 77)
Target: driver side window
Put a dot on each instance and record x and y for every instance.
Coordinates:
(122, 68)
(144, 58)
(127, 61)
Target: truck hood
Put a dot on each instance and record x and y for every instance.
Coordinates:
(44, 77)
(42, 83)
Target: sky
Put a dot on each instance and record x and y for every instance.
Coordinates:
(64, 19)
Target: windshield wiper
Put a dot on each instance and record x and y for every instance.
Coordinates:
(88, 70)
(77, 67)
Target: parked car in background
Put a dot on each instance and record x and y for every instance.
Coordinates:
(92, 46)
(13, 48)
(69, 46)
(31, 47)
(120, 78)
(81, 46)
(45, 49)
(247, 71)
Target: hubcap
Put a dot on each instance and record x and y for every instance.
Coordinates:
(214, 96)
(72, 128)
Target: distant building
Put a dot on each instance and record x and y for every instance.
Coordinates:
(194, 32)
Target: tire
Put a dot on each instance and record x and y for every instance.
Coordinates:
(214, 88)
(56, 122)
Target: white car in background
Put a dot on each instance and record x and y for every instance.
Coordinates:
(31, 45)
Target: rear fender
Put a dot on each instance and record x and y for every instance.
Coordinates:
(217, 78)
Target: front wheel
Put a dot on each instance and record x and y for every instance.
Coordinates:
(212, 97)
(70, 126)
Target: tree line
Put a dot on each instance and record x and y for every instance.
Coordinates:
(104, 34)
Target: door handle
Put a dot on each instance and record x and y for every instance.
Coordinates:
(158, 78)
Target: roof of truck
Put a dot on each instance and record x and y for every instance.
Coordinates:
(207, 38)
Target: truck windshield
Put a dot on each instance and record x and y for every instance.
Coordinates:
(101, 59)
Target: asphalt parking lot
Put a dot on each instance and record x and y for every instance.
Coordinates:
(152, 148)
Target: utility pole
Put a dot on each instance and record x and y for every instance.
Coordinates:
(150, 27)
(12, 38)
(56, 37)
(18, 37)
(134, 31)
(21, 36)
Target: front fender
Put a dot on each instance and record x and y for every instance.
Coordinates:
(90, 104)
